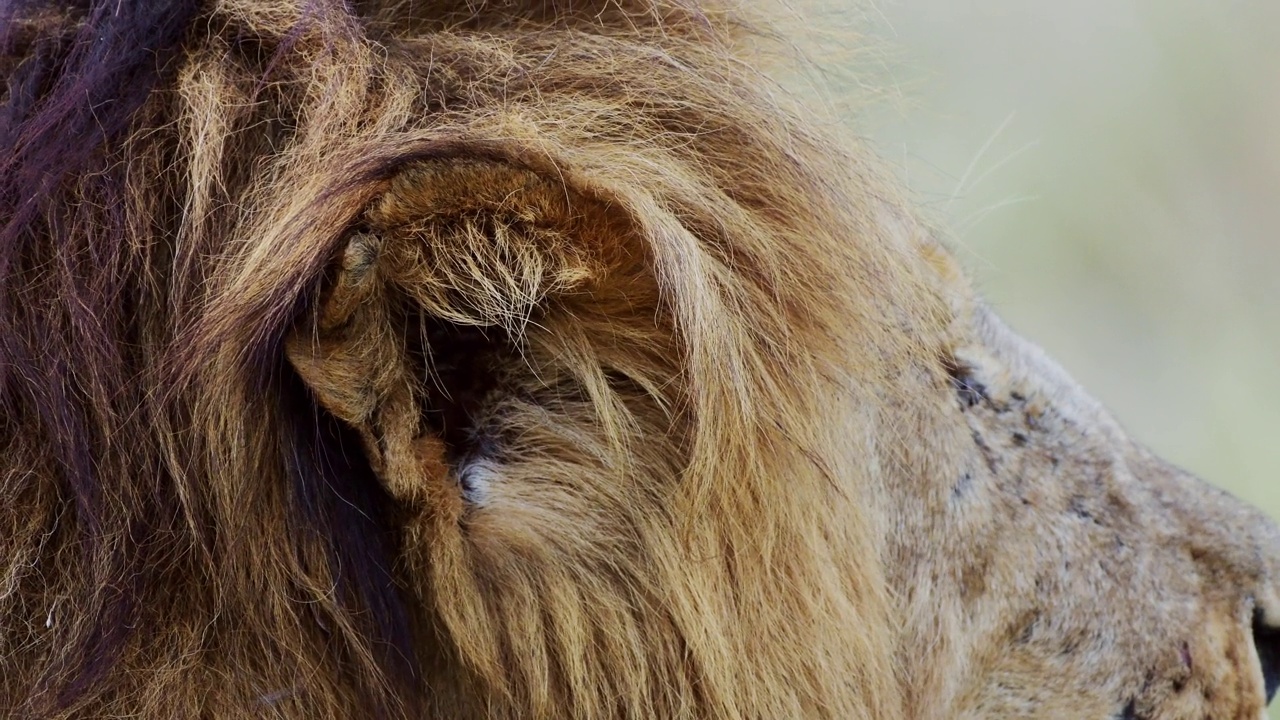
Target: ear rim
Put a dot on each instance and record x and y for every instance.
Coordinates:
(487, 244)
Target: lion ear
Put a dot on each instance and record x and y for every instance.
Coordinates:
(472, 243)
(451, 251)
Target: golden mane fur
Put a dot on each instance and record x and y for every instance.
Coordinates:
(442, 359)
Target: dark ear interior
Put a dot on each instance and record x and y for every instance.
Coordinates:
(459, 366)
(459, 370)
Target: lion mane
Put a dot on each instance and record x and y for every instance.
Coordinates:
(284, 282)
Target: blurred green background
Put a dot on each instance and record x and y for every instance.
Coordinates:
(1109, 172)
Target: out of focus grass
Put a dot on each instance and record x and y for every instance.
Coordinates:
(1109, 170)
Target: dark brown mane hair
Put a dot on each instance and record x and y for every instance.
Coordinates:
(192, 524)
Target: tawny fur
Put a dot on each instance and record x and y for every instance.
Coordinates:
(499, 360)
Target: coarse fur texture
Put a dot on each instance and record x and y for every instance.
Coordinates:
(536, 360)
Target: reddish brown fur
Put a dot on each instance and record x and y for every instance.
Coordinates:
(456, 360)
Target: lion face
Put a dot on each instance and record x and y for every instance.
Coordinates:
(516, 362)
(1086, 577)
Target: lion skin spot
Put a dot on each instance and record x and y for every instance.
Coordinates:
(1185, 672)
(988, 454)
(1130, 711)
(968, 389)
(1078, 506)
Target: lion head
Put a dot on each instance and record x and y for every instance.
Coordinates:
(521, 360)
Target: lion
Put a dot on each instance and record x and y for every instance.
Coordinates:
(543, 360)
